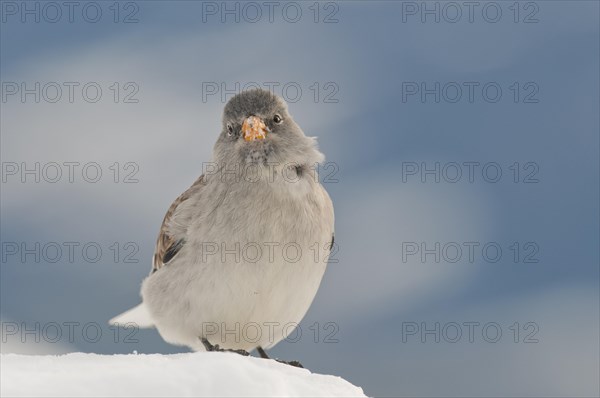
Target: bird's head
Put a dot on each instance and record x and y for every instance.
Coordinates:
(257, 129)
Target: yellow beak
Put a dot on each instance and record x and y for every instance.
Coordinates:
(254, 128)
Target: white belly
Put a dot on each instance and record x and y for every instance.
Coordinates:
(246, 286)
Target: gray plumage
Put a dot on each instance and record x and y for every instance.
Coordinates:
(226, 264)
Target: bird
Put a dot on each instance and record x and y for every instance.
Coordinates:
(240, 254)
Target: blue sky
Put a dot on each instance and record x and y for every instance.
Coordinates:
(545, 125)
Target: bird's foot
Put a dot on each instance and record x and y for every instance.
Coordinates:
(209, 347)
(264, 355)
(215, 348)
(295, 364)
(241, 352)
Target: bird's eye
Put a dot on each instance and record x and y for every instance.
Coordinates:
(277, 119)
(229, 129)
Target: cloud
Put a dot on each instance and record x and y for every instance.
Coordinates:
(375, 214)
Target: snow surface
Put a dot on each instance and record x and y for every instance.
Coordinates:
(191, 374)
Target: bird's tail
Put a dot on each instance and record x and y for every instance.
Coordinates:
(138, 315)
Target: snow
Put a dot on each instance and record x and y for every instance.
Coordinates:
(191, 374)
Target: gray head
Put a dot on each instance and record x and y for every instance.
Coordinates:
(257, 128)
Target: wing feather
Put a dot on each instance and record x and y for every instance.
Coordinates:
(166, 245)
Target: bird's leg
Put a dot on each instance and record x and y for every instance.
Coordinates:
(264, 355)
(215, 348)
(262, 352)
(209, 347)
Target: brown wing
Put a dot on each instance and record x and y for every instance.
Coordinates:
(166, 246)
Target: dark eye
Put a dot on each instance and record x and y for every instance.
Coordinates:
(277, 119)
(229, 129)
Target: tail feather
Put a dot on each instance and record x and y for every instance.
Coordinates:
(138, 315)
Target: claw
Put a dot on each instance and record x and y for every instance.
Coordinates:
(264, 355)
(215, 348)
(295, 364)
